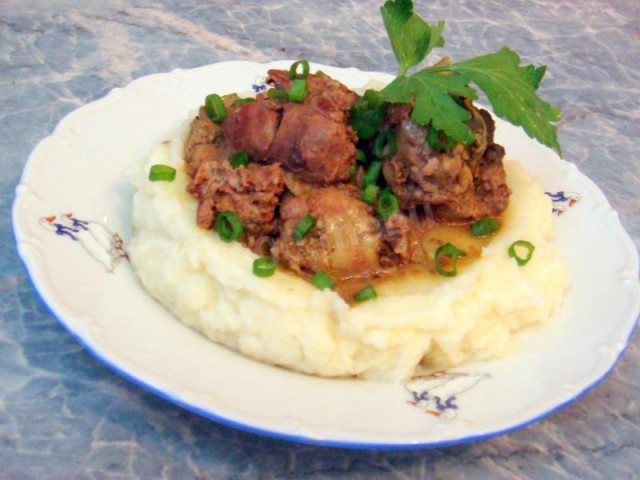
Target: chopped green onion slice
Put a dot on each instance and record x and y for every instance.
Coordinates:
(239, 159)
(439, 141)
(321, 281)
(367, 293)
(520, 244)
(162, 173)
(228, 226)
(293, 71)
(242, 101)
(298, 91)
(277, 94)
(304, 226)
(385, 144)
(264, 267)
(353, 171)
(372, 174)
(320, 73)
(214, 106)
(451, 251)
(370, 193)
(360, 156)
(484, 227)
(387, 204)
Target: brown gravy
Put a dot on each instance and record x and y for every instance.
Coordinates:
(402, 279)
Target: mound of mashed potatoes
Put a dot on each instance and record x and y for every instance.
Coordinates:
(283, 320)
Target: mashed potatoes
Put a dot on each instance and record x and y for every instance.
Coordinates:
(283, 320)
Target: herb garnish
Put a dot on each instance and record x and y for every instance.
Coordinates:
(436, 90)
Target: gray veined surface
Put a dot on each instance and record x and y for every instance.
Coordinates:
(64, 415)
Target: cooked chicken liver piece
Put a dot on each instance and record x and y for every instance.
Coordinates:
(419, 175)
(488, 197)
(340, 96)
(402, 237)
(203, 132)
(460, 185)
(314, 140)
(251, 127)
(251, 192)
(344, 242)
(313, 146)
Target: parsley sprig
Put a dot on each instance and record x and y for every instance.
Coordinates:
(436, 89)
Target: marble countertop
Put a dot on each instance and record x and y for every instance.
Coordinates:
(65, 415)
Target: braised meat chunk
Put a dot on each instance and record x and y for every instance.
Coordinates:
(251, 192)
(251, 127)
(488, 196)
(313, 146)
(200, 142)
(335, 94)
(420, 175)
(314, 140)
(402, 238)
(345, 240)
(460, 184)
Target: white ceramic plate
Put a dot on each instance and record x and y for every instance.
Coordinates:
(76, 264)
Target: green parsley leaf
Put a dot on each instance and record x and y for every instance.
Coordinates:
(436, 90)
(511, 89)
(411, 37)
(432, 93)
(534, 74)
